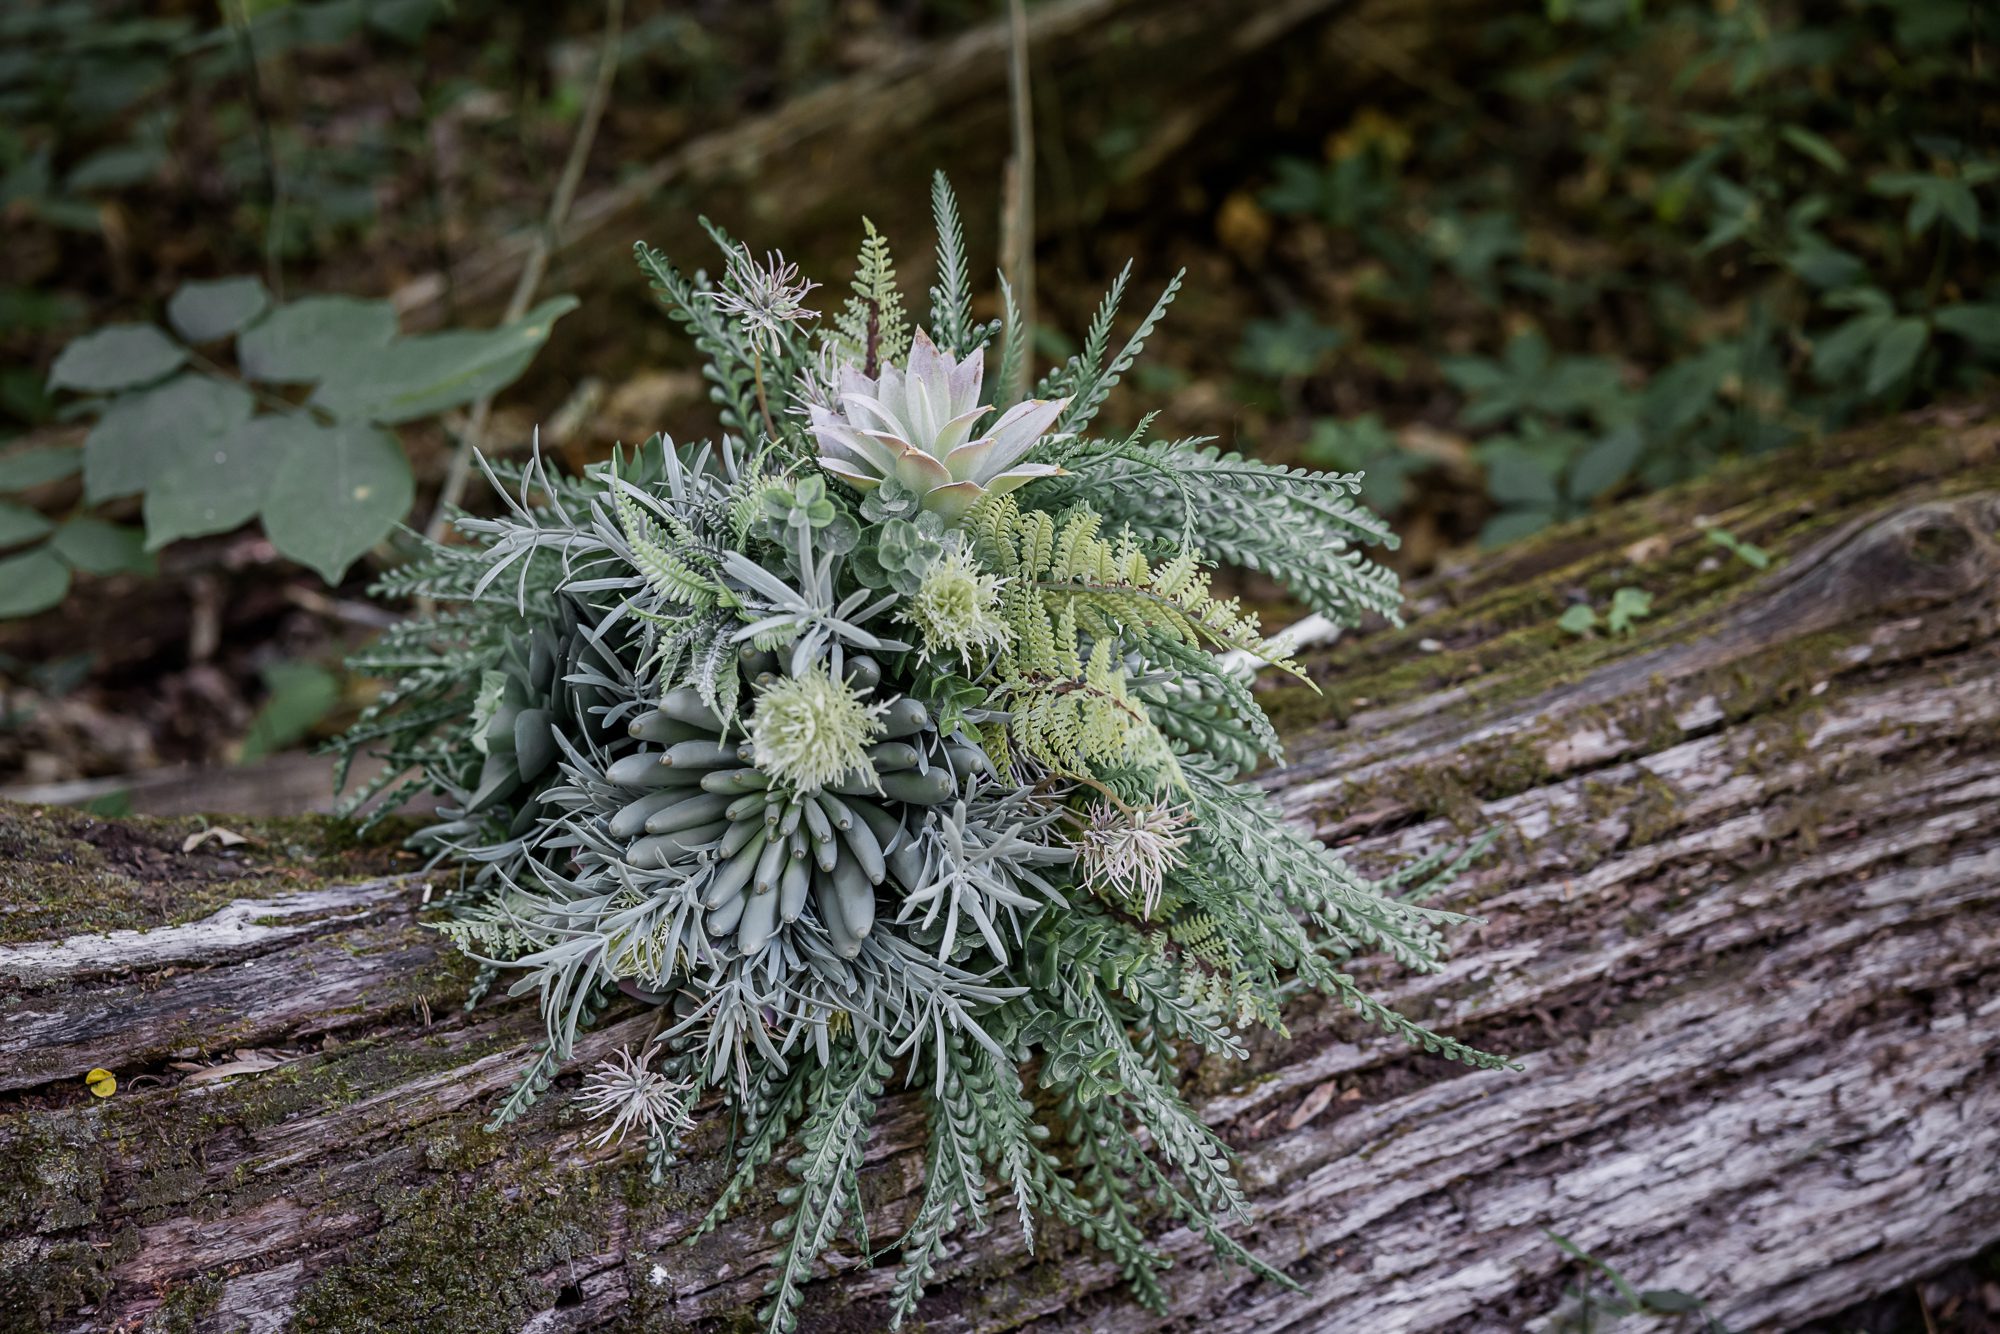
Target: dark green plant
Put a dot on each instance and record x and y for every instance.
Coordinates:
(1795, 230)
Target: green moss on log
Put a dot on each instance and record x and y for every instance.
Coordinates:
(66, 872)
(457, 1259)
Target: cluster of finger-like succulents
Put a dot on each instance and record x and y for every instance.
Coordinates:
(921, 424)
(818, 805)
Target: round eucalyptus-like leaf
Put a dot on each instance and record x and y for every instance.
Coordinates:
(38, 466)
(117, 356)
(146, 436)
(307, 341)
(423, 376)
(20, 523)
(97, 546)
(202, 312)
(337, 492)
(32, 581)
(221, 488)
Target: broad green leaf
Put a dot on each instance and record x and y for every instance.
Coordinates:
(117, 168)
(1959, 206)
(202, 312)
(95, 546)
(1825, 266)
(337, 492)
(1869, 300)
(1512, 525)
(117, 356)
(39, 466)
(425, 375)
(1835, 354)
(1606, 463)
(1627, 605)
(405, 20)
(1676, 398)
(1977, 322)
(302, 693)
(19, 524)
(31, 582)
(1578, 619)
(1814, 147)
(1748, 552)
(308, 340)
(1515, 477)
(142, 437)
(1896, 352)
(217, 490)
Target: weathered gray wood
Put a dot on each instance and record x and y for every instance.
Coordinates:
(1742, 933)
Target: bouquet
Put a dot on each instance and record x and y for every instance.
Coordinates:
(896, 735)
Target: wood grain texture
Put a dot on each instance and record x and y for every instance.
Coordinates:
(1742, 932)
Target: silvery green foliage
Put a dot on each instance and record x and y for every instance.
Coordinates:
(851, 782)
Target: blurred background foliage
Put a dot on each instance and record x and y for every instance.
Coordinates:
(1514, 260)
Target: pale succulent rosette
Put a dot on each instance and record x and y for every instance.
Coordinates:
(921, 424)
(889, 736)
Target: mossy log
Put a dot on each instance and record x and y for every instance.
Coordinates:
(1742, 932)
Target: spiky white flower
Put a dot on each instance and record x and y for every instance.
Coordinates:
(956, 609)
(1130, 852)
(811, 730)
(818, 382)
(623, 1091)
(767, 297)
(917, 425)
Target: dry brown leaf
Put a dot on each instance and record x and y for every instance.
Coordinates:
(1648, 549)
(1314, 1104)
(228, 838)
(248, 1066)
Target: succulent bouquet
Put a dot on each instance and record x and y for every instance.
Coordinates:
(898, 734)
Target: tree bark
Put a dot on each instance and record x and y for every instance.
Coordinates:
(1742, 932)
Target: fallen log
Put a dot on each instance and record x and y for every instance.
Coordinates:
(1196, 74)
(1742, 933)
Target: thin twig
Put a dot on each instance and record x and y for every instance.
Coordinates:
(536, 268)
(1017, 217)
(238, 15)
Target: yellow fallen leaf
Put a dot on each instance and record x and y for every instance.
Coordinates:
(101, 1082)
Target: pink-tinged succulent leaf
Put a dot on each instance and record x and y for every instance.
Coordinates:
(868, 413)
(853, 476)
(966, 378)
(920, 472)
(852, 381)
(950, 503)
(955, 435)
(929, 374)
(1017, 431)
(841, 440)
(1020, 475)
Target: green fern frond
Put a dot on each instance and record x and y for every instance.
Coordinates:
(873, 329)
